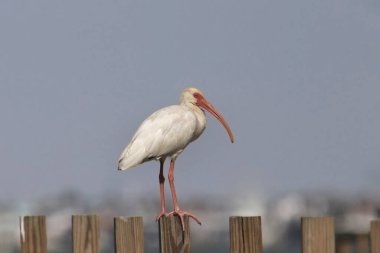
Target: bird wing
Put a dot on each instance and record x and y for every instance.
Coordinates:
(164, 133)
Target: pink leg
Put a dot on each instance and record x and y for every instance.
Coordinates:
(161, 179)
(177, 210)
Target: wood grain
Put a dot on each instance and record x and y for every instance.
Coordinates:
(85, 233)
(318, 235)
(375, 236)
(129, 235)
(33, 234)
(245, 234)
(172, 238)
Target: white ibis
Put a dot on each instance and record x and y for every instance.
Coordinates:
(165, 134)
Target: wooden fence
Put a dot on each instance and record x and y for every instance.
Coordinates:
(318, 235)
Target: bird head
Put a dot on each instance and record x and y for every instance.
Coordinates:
(188, 95)
(195, 97)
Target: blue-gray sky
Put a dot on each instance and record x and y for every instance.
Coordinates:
(298, 81)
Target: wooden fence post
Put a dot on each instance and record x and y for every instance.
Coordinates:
(173, 239)
(362, 243)
(343, 243)
(318, 235)
(33, 234)
(85, 233)
(245, 235)
(375, 236)
(129, 235)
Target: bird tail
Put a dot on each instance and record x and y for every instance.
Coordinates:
(130, 158)
(122, 165)
(125, 163)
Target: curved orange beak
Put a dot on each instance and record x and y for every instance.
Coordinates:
(203, 103)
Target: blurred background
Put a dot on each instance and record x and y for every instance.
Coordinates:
(298, 81)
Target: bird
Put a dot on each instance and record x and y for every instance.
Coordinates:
(164, 135)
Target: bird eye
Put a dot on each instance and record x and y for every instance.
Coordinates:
(197, 95)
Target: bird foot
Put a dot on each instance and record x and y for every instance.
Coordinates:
(162, 213)
(181, 214)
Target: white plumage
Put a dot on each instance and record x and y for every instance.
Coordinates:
(166, 133)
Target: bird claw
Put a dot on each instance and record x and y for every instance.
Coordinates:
(181, 214)
(162, 213)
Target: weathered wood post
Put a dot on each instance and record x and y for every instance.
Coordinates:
(343, 243)
(129, 235)
(362, 243)
(33, 234)
(85, 233)
(173, 239)
(318, 235)
(245, 234)
(375, 236)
